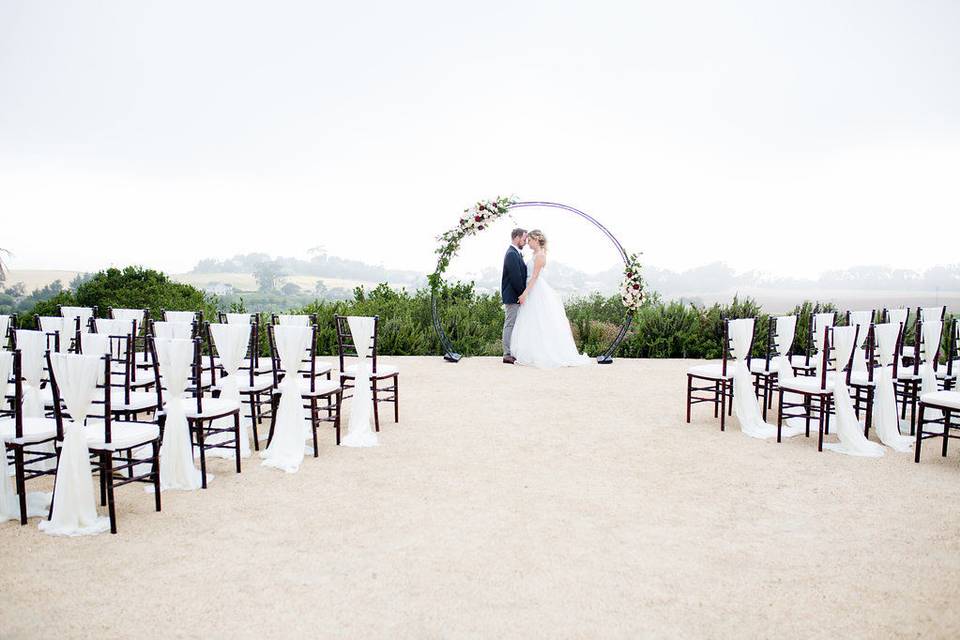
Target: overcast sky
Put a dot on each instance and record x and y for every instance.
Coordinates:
(783, 136)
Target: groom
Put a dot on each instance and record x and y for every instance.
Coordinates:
(513, 282)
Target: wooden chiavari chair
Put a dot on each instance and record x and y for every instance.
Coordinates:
(716, 379)
(380, 372)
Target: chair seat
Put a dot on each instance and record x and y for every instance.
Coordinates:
(123, 435)
(801, 362)
(383, 370)
(942, 372)
(945, 399)
(139, 400)
(34, 430)
(807, 385)
(264, 365)
(713, 371)
(261, 382)
(862, 379)
(212, 407)
(321, 367)
(320, 387)
(761, 366)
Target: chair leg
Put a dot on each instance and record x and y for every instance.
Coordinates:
(274, 402)
(156, 473)
(916, 447)
(103, 489)
(314, 419)
(203, 454)
(946, 431)
(723, 405)
(689, 392)
(106, 468)
(780, 416)
(396, 397)
(376, 404)
(716, 397)
(254, 418)
(823, 412)
(20, 471)
(336, 420)
(236, 440)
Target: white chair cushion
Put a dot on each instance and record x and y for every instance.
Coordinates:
(321, 367)
(34, 430)
(320, 387)
(862, 378)
(139, 400)
(261, 382)
(760, 366)
(211, 407)
(801, 361)
(713, 371)
(808, 384)
(123, 435)
(947, 399)
(382, 370)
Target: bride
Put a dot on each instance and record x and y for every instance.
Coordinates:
(542, 337)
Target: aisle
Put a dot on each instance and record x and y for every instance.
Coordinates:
(512, 502)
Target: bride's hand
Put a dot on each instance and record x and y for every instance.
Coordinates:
(523, 297)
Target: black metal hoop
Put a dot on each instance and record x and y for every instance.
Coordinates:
(606, 357)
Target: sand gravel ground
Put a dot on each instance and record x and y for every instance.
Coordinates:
(519, 503)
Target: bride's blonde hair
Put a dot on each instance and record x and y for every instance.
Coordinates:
(537, 235)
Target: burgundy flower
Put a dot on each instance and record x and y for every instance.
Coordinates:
(636, 286)
(477, 218)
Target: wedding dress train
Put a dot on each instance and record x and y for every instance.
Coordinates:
(541, 336)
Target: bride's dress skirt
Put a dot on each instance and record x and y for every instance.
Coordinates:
(541, 336)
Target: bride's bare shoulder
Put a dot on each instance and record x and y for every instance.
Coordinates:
(540, 258)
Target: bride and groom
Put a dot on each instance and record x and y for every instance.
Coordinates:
(536, 331)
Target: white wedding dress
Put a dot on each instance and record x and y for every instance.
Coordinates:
(541, 336)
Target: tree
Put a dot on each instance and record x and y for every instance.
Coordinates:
(266, 274)
(291, 289)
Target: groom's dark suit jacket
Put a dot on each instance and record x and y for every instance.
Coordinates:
(514, 279)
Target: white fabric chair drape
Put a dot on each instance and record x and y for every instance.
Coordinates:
(113, 327)
(360, 431)
(4, 327)
(898, 316)
(63, 327)
(291, 426)
(37, 502)
(180, 316)
(238, 318)
(820, 323)
(74, 506)
(84, 313)
(129, 316)
(886, 418)
(862, 320)
(177, 469)
(785, 332)
(848, 428)
(173, 330)
(293, 320)
(745, 405)
(231, 341)
(932, 331)
(931, 313)
(33, 347)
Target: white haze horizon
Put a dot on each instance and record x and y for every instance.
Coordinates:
(786, 138)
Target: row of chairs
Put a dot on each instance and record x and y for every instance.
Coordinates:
(810, 390)
(127, 422)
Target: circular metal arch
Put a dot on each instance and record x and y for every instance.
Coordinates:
(450, 353)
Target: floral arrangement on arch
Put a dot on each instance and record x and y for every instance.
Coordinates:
(631, 289)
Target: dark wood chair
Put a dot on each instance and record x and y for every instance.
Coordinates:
(113, 445)
(805, 364)
(380, 372)
(24, 437)
(203, 413)
(313, 389)
(908, 382)
(713, 382)
(764, 369)
(947, 374)
(816, 392)
(948, 404)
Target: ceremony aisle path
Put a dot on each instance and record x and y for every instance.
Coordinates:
(512, 502)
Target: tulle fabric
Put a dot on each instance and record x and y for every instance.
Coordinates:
(64, 328)
(4, 327)
(129, 316)
(886, 418)
(38, 503)
(291, 426)
(74, 510)
(293, 320)
(180, 317)
(820, 323)
(745, 403)
(862, 320)
(238, 318)
(541, 336)
(113, 326)
(176, 330)
(786, 330)
(177, 469)
(84, 313)
(360, 431)
(849, 430)
(932, 331)
(231, 341)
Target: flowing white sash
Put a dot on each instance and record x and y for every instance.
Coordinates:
(177, 469)
(745, 404)
(231, 341)
(238, 318)
(849, 430)
(62, 327)
(33, 347)
(360, 433)
(37, 502)
(932, 331)
(820, 322)
(291, 426)
(294, 320)
(84, 313)
(178, 330)
(129, 316)
(74, 506)
(180, 317)
(886, 418)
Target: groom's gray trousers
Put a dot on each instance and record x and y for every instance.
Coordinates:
(510, 318)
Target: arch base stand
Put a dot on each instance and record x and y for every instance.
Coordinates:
(452, 357)
(604, 359)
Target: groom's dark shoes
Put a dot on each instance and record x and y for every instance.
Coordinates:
(509, 359)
